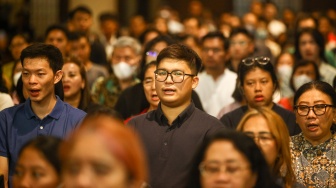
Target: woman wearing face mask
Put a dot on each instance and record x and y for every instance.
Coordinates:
(125, 62)
(304, 71)
(284, 68)
(257, 82)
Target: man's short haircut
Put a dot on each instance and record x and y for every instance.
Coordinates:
(126, 41)
(181, 52)
(75, 36)
(106, 16)
(46, 51)
(216, 34)
(241, 30)
(57, 27)
(80, 8)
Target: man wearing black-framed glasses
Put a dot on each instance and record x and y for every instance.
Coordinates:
(172, 133)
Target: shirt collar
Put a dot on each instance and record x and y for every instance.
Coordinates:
(55, 113)
(180, 119)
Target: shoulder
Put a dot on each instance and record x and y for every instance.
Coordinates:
(282, 111)
(143, 120)
(73, 112)
(232, 118)
(201, 117)
(230, 73)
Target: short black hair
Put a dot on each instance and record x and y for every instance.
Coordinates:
(40, 50)
(57, 27)
(105, 16)
(181, 52)
(219, 35)
(80, 8)
(241, 30)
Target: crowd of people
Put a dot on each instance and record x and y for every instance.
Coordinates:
(196, 102)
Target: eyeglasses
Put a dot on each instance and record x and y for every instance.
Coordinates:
(263, 138)
(177, 76)
(260, 60)
(212, 168)
(318, 109)
(152, 53)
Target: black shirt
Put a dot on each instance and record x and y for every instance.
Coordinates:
(170, 149)
(232, 119)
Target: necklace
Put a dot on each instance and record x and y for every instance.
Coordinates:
(316, 163)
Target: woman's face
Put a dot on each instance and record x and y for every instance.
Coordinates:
(149, 87)
(315, 129)
(33, 170)
(257, 127)
(155, 50)
(258, 88)
(72, 80)
(90, 163)
(308, 47)
(225, 166)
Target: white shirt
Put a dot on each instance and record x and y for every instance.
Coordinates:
(215, 94)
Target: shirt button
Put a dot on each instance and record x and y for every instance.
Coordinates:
(165, 143)
(41, 127)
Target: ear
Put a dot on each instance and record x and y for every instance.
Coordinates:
(194, 81)
(58, 76)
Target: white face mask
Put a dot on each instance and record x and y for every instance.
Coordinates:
(298, 81)
(16, 78)
(285, 72)
(123, 70)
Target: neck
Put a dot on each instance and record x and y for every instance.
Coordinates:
(73, 100)
(171, 113)
(151, 108)
(215, 73)
(43, 108)
(235, 64)
(269, 106)
(319, 141)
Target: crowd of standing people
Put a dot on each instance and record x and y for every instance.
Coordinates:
(195, 102)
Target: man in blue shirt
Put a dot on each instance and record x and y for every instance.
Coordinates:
(43, 113)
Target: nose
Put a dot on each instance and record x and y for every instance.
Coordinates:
(257, 86)
(83, 179)
(311, 113)
(222, 176)
(25, 182)
(32, 79)
(169, 78)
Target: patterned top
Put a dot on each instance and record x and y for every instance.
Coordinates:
(314, 166)
(106, 91)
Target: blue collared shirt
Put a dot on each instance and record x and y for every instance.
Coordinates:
(19, 124)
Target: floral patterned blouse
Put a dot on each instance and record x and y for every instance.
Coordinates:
(314, 166)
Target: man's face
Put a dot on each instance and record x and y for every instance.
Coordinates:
(82, 22)
(80, 49)
(58, 39)
(109, 27)
(39, 80)
(175, 94)
(125, 54)
(240, 47)
(213, 53)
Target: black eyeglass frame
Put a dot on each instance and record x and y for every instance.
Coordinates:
(171, 75)
(313, 108)
(262, 60)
